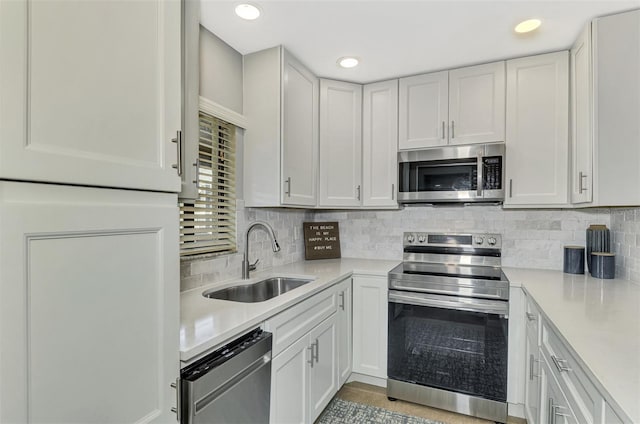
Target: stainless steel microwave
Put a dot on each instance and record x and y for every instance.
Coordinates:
(449, 174)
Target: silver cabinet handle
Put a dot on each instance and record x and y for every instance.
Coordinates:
(393, 192)
(310, 361)
(581, 178)
(554, 411)
(288, 191)
(530, 316)
(197, 165)
(317, 350)
(550, 416)
(510, 188)
(443, 123)
(558, 363)
(342, 301)
(178, 141)
(453, 129)
(358, 188)
(532, 361)
(177, 407)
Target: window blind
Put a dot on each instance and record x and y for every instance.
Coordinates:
(208, 224)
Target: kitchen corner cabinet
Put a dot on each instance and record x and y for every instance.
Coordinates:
(281, 141)
(370, 326)
(460, 106)
(345, 330)
(537, 130)
(606, 106)
(340, 143)
(67, 74)
(380, 144)
(89, 304)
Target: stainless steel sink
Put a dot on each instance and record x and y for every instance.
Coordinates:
(257, 292)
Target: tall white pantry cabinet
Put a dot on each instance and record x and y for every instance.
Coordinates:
(89, 280)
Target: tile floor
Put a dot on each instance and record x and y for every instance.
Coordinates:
(377, 396)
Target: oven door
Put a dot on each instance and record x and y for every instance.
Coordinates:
(450, 343)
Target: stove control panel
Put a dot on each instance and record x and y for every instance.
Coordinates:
(477, 240)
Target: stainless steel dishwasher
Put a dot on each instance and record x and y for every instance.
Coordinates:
(230, 385)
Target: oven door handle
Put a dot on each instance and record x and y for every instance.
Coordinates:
(447, 302)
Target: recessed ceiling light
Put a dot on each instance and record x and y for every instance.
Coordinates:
(527, 26)
(247, 11)
(348, 62)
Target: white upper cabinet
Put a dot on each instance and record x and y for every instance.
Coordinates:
(380, 144)
(281, 141)
(90, 92)
(461, 106)
(477, 104)
(537, 130)
(340, 143)
(581, 117)
(423, 109)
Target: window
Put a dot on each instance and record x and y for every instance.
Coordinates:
(208, 225)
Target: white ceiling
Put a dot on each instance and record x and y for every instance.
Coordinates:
(398, 38)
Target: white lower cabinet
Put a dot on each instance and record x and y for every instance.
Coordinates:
(370, 326)
(289, 384)
(89, 304)
(554, 406)
(345, 330)
(323, 366)
(532, 382)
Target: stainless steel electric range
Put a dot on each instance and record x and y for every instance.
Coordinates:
(448, 324)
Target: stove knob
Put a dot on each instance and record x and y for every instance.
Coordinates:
(411, 238)
(492, 241)
(422, 239)
(479, 240)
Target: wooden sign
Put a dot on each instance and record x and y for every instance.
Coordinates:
(321, 240)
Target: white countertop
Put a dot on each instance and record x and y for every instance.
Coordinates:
(600, 320)
(209, 323)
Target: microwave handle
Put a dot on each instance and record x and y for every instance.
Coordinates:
(480, 176)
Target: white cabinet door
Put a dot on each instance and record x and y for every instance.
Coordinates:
(532, 382)
(537, 130)
(423, 110)
(477, 104)
(89, 304)
(582, 119)
(90, 92)
(290, 384)
(555, 408)
(370, 326)
(323, 371)
(380, 144)
(340, 143)
(299, 133)
(344, 331)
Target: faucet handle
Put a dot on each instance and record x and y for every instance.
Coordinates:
(252, 267)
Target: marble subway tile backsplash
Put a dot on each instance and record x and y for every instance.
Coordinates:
(287, 224)
(625, 227)
(531, 238)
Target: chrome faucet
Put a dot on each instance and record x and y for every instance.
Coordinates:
(246, 266)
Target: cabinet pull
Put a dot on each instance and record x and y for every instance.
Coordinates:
(554, 411)
(197, 165)
(443, 123)
(393, 192)
(288, 190)
(558, 363)
(510, 187)
(532, 361)
(530, 316)
(177, 407)
(342, 301)
(550, 415)
(358, 188)
(178, 141)
(581, 186)
(317, 350)
(310, 361)
(453, 129)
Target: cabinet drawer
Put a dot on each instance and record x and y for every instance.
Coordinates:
(581, 393)
(295, 322)
(532, 318)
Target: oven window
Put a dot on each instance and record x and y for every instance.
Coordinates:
(460, 351)
(456, 175)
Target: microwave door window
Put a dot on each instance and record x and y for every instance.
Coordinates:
(445, 178)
